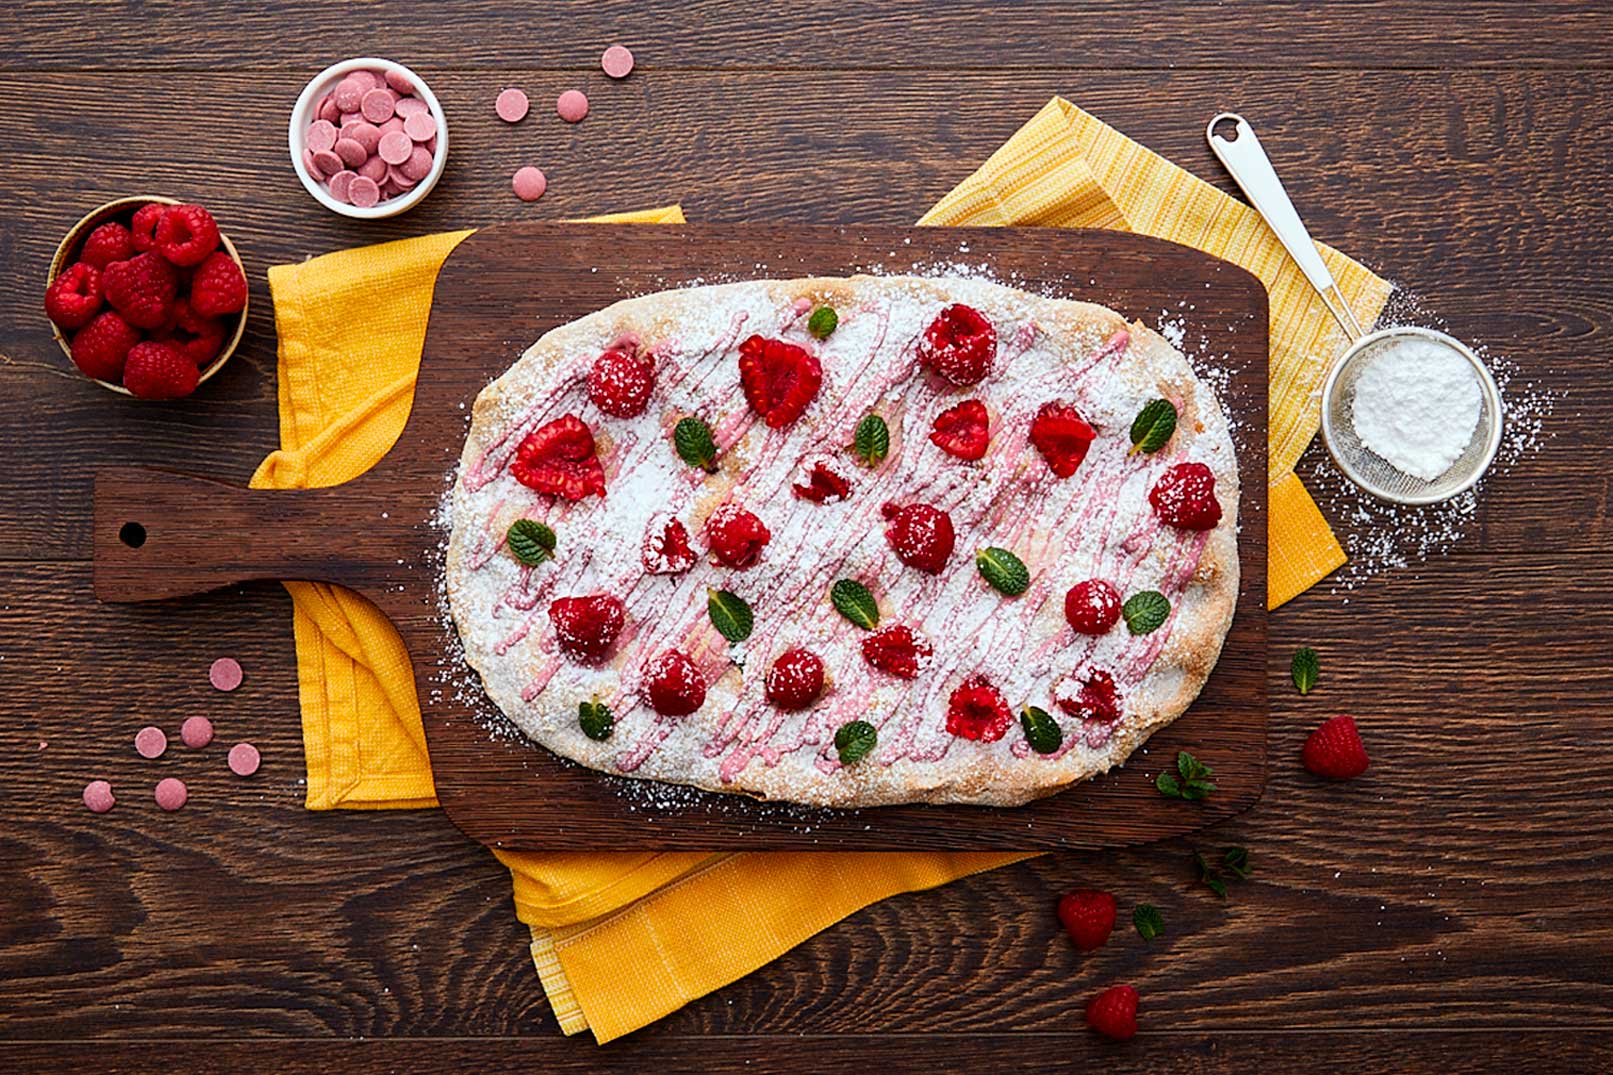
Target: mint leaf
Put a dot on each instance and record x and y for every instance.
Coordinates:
(823, 321)
(854, 740)
(1209, 877)
(1153, 426)
(1042, 732)
(1191, 780)
(1167, 785)
(1149, 922)
(692, 438)
(872, 441)
(1236, 860)
(530, 541)
(1005, 571)
(729, 614)
(1304, 668)
(852, 600)
(1145, 612)
(595, 719)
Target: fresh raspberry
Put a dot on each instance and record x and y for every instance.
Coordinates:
(962, 430)
(673, 685)
(1113, 1012)
(108, 243)
(1088, 917)
(559, 459)
(1184, 496)
(823, 483)
(960, 345)
(142, 289)
(74, 297)
(666, 547)
(779, 379)
(621, 382)
(1062, 437)
(1090, 697)
(218, 286)
(1092, 607)
(585, 627)
(101, 347)
(898, 650)
(157, 370)
(143, 228)
(921, 535)
(185, 235)
(1335, 751)
(200, 338)
(736, 536)
(977, 710)
(795, 680)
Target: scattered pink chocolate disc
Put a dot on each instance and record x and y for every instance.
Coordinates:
(529, 184)
(572, 106)
(150, 742)
(98, 796)
(511, 106)
(171, 793)
(196, 732)
(225, 673)
(617, 62)
(244, 759)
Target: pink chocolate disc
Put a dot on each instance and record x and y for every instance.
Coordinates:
(365, 134)
(171, 793)
(399, 81)
(98, 796)
(420, 128)
(511, 106)
(327, 162)
(349, 93)
(351, 151)
(244, 759)
(377, 106)
(617, 62)
(395, 147)
(572, 106)
(321, 135)
(410, 106)
(418, 166)
(150, 742)
(365, 192)
(225, 673)
(529, 184)
(341, 184)
(196, 732)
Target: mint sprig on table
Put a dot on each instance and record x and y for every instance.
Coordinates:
(1304, 668)
(1149, 922)
(692, 439)
(530, 541)
(854, 601)
(730, 615)
(1153, 426)
(1235, 860)
(595, 719)
(872, 441)
(1145, 612)
(1042, 732)
(1191, 780)
(1006, 572)
(823, 321)
(854, 740)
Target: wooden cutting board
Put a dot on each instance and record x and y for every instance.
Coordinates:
(160, 535)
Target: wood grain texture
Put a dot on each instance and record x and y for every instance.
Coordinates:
(1447, 913)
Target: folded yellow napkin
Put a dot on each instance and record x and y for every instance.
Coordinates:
(621, 939)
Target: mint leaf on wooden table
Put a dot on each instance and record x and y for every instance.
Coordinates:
(1209, 877)
(1149, 922)
(1235, 860)
(595, 719)
(729, 614)
(1042, 732)
(1145, 612)
(872, 441)
(1304, 668)
(1190, 781)
(1153, 426)
(853, 601)
(692, 439)
(823, 321)
(1006, 572)
(854, 740)
(530, 541)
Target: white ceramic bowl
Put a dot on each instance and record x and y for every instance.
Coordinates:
(303, 114)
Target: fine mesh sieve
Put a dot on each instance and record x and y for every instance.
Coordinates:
(1246, 159)
(1375, 474)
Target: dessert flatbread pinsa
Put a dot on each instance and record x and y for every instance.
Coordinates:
(682, 550)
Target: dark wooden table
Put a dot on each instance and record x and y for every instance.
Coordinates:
(1453, 910)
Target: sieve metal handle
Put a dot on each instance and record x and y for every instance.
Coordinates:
(1246, 159)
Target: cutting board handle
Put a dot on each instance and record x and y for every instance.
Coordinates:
(158, 534)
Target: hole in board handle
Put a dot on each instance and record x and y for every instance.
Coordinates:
(132, 535)
(1226, 129)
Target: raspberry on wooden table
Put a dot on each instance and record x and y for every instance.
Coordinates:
(736, 536)
(673, 685)
(779, 379)
(559, 459)
(1335, 751)
(101, 347)
(74, 298)
(920, 534)
(1088, 917)
(142, 289)
(1092, 607)
(959, 345)
(159, 370)
(1062, 436)
(585, 627)
(977, 710)
(795, 680)
(1184, 496)
(962, 431)
(1113, 1012)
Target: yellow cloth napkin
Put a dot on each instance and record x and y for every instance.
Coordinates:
(621, 939)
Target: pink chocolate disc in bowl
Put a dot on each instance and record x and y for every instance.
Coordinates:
(399, 81)
(321, 135)
(98, 796)
(395, 147)
(244, 759)
(511, 106)
(572, 106)
(377, 106)
(171, 793)
(418, 166)
(363, 191)
(410, 106)
(420, 128)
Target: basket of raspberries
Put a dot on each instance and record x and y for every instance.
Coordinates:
(147, 297)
